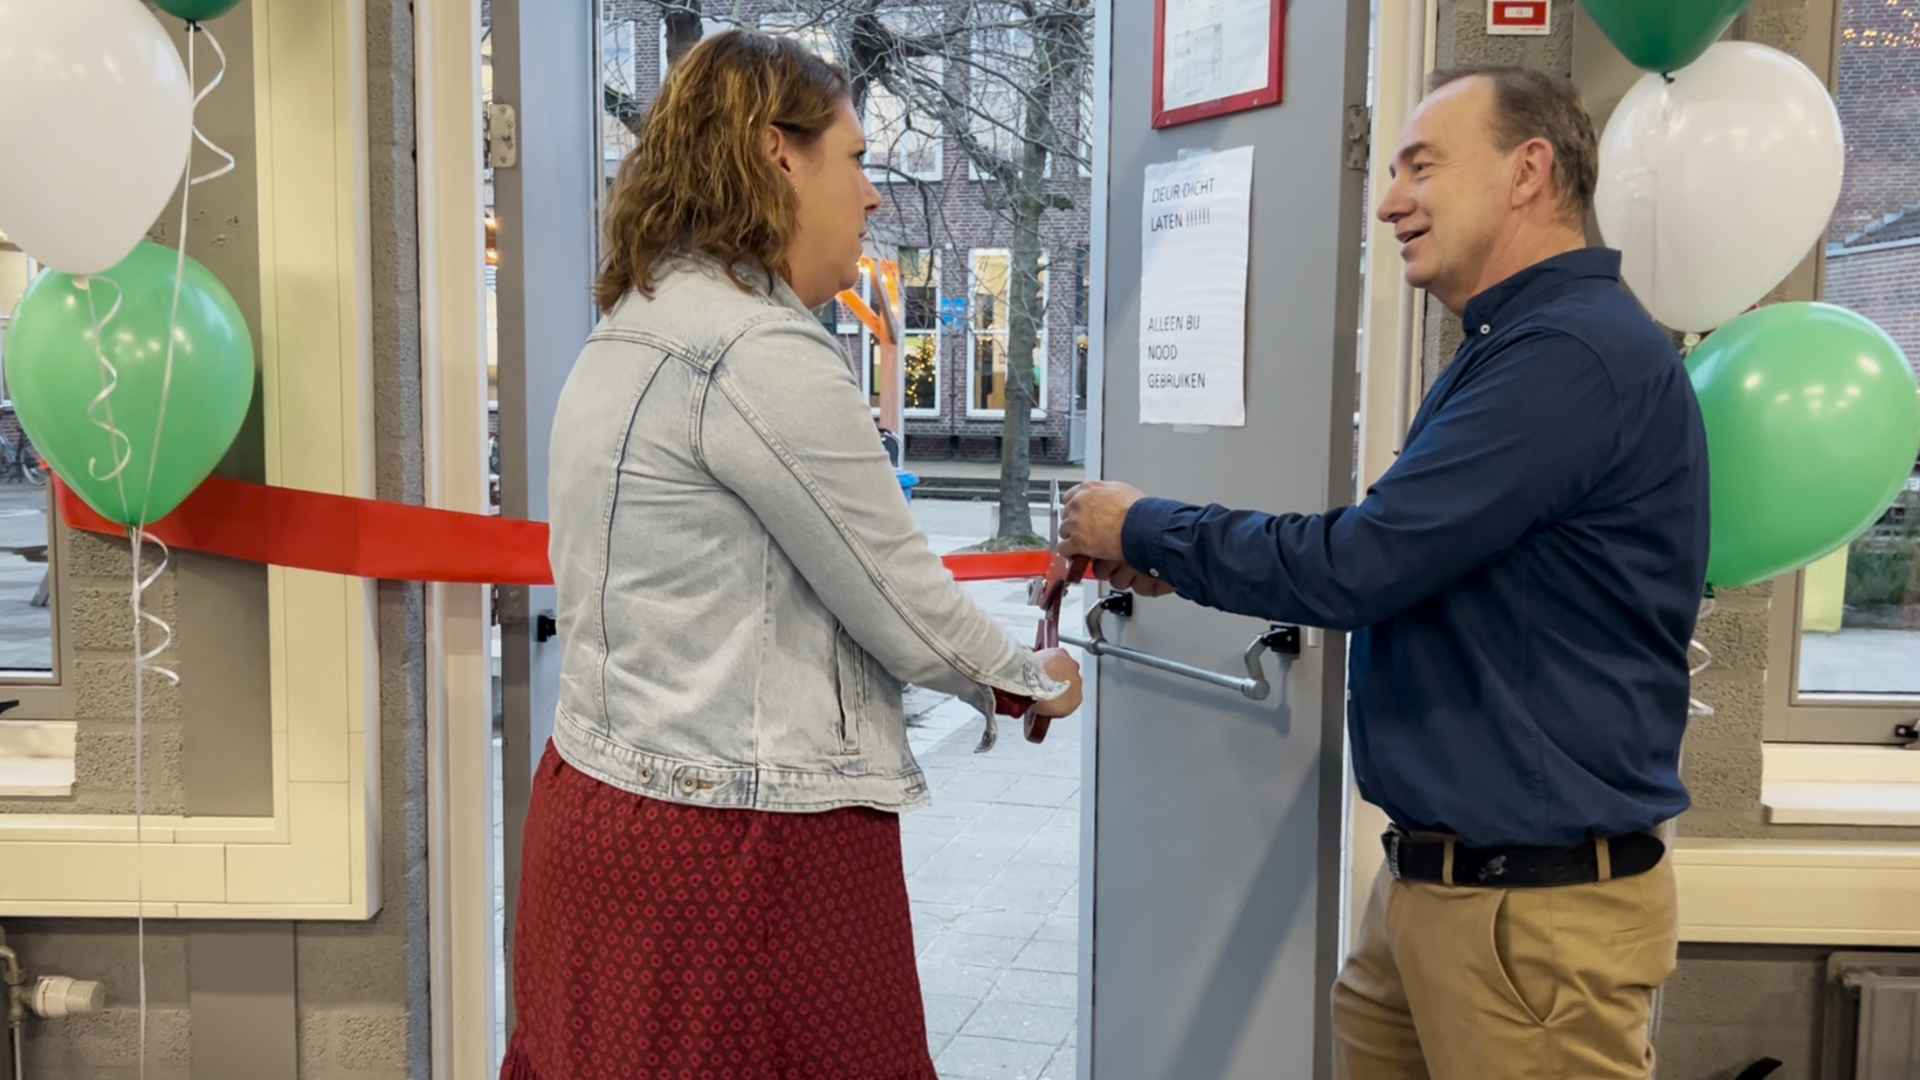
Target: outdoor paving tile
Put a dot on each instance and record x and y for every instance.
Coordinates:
(1028, 887)
(1036, 988)
(1064, 1066)
(949, 979)
(969, 1057)
(1018, 1022)
(972, 950)
(1051, 847)
(1057, 956)
(1051, 791)
(1059, 928)
(1021, 925)
(946, 1013)
(943, 890)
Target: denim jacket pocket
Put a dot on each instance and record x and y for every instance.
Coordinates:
(850, 672)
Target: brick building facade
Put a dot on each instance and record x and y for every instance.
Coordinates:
(1873, 253)
(945, 212)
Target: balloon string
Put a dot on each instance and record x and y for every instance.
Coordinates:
(143, 663)
(1696, 707)
(195, 29)
(100, 409)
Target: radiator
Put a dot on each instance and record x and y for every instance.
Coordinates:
(1873, 1017)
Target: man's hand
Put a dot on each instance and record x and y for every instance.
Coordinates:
(1092, 517)
(1126, 579)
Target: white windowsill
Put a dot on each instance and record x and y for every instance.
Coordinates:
(1811, 784)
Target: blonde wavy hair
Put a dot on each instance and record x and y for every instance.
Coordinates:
(700, 181)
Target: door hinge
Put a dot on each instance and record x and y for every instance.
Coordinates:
(503, 136)
(1359, 137)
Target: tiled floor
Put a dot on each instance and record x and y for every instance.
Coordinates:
(992, 868)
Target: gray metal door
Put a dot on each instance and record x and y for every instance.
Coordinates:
(1217, 844)
(543, 70)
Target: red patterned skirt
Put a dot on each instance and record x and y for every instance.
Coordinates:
(657, 941)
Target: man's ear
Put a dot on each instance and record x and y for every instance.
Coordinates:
(1533, 172)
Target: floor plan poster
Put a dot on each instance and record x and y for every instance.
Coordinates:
(1215, 49)
(1193, 290)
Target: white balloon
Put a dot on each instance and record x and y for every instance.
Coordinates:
(96, 119)
(1714, 186)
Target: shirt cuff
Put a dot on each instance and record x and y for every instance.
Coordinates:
(1143, 537)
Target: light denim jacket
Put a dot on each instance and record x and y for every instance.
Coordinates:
(742, 590)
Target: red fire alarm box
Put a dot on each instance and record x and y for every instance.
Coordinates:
(1519, 17)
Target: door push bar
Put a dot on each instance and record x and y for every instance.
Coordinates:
(1284, 640)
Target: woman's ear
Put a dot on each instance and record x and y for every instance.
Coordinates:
(777, 149)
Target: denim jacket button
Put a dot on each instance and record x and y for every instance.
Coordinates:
(688, 783)
(646, 776)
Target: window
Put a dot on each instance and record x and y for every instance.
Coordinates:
(26, 537)
(1002, 54)
(811, 32)
(620, 90)
(901, 141)
(920, 334)
(1847, 628)
(1082, 303)
(989, 324)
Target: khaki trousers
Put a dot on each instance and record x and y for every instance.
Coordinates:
(1450, 983)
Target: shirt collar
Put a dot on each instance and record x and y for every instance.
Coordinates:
(1534, 286)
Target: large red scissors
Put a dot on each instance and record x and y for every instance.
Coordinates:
(1046, 594)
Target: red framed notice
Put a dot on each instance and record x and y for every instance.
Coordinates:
(1214, 57)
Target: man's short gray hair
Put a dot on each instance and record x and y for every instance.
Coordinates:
(1529, 104)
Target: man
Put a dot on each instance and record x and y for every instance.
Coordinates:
(1521, 586)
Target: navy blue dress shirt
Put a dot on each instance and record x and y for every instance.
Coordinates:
(1521, 584)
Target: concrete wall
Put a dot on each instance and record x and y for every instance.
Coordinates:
(264, 1001)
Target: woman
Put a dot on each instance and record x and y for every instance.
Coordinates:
(712, 885)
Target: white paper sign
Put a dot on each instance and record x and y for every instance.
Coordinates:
(1193, 290)
(1215, 49)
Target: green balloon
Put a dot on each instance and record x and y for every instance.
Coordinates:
(1663, 35)
(1813, 425)
(54, 377)
(196, 10)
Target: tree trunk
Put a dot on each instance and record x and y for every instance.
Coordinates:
(1024, 313)
(1026, 304)
(684, 28)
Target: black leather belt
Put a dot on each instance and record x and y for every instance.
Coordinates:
(1420, 857)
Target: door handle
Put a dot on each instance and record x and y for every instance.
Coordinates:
(1284, 640)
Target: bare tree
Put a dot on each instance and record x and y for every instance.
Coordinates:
(994, 76)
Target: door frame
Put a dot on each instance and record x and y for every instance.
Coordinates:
(1393, 344)
(462, 944)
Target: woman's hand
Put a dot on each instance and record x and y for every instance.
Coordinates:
(1060, 668)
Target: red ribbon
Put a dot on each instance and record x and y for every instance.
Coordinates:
(366, 538)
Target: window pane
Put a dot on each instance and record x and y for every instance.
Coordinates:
(1860, 608)
(923, 372)
(1002, 66)
(990, 290)
(26, 615)
(990, 374)
(810, 32)
(902, 141)
(1080, 371)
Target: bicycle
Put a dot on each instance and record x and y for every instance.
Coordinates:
(19, 462)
